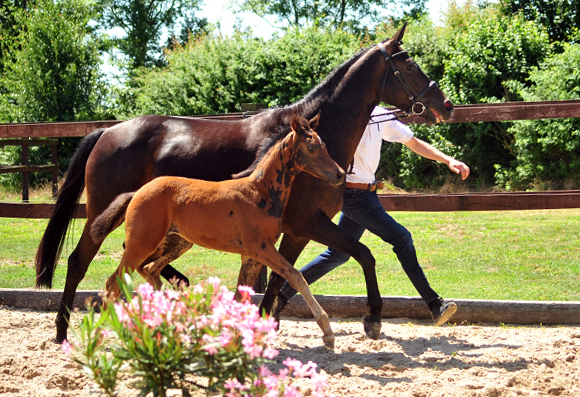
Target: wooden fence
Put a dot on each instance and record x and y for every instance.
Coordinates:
(355, 306)
(391, 202)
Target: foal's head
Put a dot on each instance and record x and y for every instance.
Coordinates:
(311, 155)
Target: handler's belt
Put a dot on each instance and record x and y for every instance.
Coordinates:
(371, 187)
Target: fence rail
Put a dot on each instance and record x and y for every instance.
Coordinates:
(461, 114)
(391, 202)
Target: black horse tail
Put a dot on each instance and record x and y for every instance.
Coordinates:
(112, 217)
(68, 196)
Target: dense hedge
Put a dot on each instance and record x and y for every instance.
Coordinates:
(217, 74)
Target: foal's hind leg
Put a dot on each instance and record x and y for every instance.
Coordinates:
(172, 247)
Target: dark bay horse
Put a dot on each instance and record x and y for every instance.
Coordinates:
(242, 215)
(126, 156)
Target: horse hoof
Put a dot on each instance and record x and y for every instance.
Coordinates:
(60, 338)
(328, 341)
(372, 329)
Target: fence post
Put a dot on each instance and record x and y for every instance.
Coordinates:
(25, 173)
(54, 160)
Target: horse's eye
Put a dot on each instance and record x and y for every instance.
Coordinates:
(310, 147)
(411, 66)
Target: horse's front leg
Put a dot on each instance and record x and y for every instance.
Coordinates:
(321, 229)
(291, 247)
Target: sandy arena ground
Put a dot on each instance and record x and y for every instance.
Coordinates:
(412, 358)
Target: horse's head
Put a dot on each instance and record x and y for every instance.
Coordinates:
(407, 87)
(311, 155)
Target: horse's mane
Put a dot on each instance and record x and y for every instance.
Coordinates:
(303, 107)
(327, 87)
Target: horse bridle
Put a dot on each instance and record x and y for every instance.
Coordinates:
(417, 107)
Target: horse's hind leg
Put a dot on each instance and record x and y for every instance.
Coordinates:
(248, 274)
(78, 263)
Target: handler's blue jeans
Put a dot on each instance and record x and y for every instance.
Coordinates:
(362, 210)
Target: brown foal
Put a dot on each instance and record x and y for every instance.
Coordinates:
(242, 215)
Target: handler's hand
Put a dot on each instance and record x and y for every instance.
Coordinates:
(459, 168)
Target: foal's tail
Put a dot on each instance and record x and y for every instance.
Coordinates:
(112, 217)
(68, 196)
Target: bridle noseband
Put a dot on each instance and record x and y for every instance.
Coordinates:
(417, 107)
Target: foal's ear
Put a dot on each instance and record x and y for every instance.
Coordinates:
(314, 121)
(398, 37)
(295, 123)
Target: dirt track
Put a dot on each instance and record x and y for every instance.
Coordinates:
(412, 358)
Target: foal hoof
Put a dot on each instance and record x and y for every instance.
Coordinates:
(372, 329)
(328, 341)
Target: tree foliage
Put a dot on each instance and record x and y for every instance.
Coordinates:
(483, 54)
(53, 73)
(142, 22)
(355, 15)
(10, 27)
(560, 17)
(547, 152)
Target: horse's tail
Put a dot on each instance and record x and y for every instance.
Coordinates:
(68, 196)
(112, 217)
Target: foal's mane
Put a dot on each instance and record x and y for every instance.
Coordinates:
(265, 147)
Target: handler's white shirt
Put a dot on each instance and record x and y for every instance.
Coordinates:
(381, 126)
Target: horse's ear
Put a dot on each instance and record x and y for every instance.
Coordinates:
(295, 124)
(314, 121)
(398, 37)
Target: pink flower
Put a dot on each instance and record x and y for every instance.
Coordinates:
(145, 290)
(105, 333)
(270, 353)
(318, 381)
(254, 351)
(66, 348)
(246, 292)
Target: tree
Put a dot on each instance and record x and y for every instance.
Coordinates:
(143, 21)
(10, 28)
(560, 17)
(53, 73)
(355, 15)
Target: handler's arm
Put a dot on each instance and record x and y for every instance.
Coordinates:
(424, 149)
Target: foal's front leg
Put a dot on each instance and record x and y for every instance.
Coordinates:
(272, 258)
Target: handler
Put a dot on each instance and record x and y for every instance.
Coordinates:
(362, 210)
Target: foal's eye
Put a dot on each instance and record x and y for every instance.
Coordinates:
(310, 147)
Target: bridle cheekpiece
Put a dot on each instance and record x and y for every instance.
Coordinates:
(417, 108)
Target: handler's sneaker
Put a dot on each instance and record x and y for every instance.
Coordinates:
(441, 311)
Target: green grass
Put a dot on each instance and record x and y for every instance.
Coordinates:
(515, 255)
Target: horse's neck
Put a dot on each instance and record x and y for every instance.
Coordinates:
(276, 172)
(346, 105)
